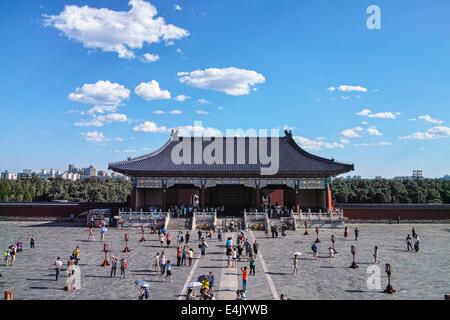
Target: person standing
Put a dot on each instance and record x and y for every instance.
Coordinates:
(91, 234)
(102, 233)
(161, 239)
(416, 243)
(409, 242)
(156, 262)
(178, 256)
(252, 266)
(168, 239)
(234, 265)
(244, 278)
(255, 248)
(113, 267)
(32, 240)
(162, 263)
(315, 250)
(191, 256)
(199, 234)
(345, 232)
(413, 232)
(188, 236)
(203, 247)
(184, 254)
(219, 235)
(13, 254)
(123, 267)
(295, 271)
(58, 264)
(356, 234)
(168, 271)
(376, 253)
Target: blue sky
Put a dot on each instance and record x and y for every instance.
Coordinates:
(375, 98)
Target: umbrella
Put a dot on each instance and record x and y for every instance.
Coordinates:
(203, 277)
(242, 231)
(194, 284)
(297, 253)
(141, 283)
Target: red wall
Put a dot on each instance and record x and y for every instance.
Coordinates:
(391, 214)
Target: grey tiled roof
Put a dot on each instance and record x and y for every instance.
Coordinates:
(293, 162)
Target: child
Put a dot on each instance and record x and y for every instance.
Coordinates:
(156, 262)
(330, 249)
(375, 254)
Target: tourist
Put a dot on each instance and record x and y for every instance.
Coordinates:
(190, 294)
(331, 251)
(229, 254)
(376, 253)
(250, 253)
(413, 232)
(91, 234)
(315, 250)
(102, 233)
(283, 297)
(178, 256)
(13, 251)
(203, 247)
(243, 295)
(58, 264)
(168, 239)
(212, 283)
(234, 258)
(244, 278)
(356, 234)
(161, 239)
(179, 238)
(252, 266)
(113, 267)
(184, 256)
(295, 271)
(247, 246)
(345, 232)
(7, 255)
(229, 242)
(191, 256)
(143, 294)
(255, 248)
(219, 235)
(32, 240)
(416, 243)
(123, 266)
(239, 251)
(409, 242)
(199, 234)
(188, 236)
(156, 262)
(162, 264)
(238, 295)
(168, 271)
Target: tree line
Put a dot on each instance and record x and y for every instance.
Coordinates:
(108, 190)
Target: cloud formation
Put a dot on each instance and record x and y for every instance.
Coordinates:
(100, 93)
(316, 144)
(151, 91)
(432, 133)
(115, 31)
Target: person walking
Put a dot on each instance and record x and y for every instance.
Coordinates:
(376, 253)
(190, 294)
(315, 250)
(113, 267)
(58, 264)
(13, 251)
(102, 233)
(416, 243)
(188, 237)
(295, 271)
(156, 262)
(234, 265)
(7, 255)
(203, 247)
(168, 271)
(409, 242)
(199, 234)
(244, 278)
(252, 266)
(356, 234)
(32, 240)
(191, 256)
(184, 254)
(345, 232)
(161, 239)
(91, 234)
(229, 254)
(413, 232)
(162, 263)
(123, 267)
(255, 248)
(178, 256)
(219, 235)
(168, 239)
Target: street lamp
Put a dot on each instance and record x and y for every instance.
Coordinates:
(142, 231)
(317, 235)
(353, 265)
(126, 243)
(306, 229)
(389, 288)
(105, 249)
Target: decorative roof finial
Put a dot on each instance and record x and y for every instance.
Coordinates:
(174, 135)
(288, 133)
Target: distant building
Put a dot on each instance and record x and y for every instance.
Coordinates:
(72, 176)
(72, 168)
(378, 177)
(417, 175)
(403, 178)
(91, 171)
(8, 175)
(26, 174)
(446, 177)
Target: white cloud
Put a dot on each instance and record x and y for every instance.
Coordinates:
(93, 123)
(199, 130)
(202, 112)
(384, 115)
(148, 57)
(352, 132)
(158, 112)
(363, 112)
(432, 133)
(364, 122)
(347, 88)
(220, 107)
(115, 31)
(203, 101)
(149, 126)
(316, 144)
(412, 119)
(373, 131)
(345, 141)
(176, 112)
(151, 91)
(113, 117)
(177, 7)
(331, 89)
(181, 97)
(94, 136)
(101, 93)
(382, 143)
(102, 109)
(345, 97)
(232, 81)
(429, 119)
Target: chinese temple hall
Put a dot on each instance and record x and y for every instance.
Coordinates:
(234, 181)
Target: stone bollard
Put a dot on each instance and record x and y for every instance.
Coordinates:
(9, 295)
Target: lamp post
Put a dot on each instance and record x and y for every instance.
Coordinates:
(142, 231)
(306, 229)
(105, 249)
(353, 265)
(389, 288)
(126, 243)
(317, 235)
(333, 240)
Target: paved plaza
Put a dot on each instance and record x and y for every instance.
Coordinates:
(421, 275)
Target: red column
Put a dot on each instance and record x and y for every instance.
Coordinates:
(164, 197)
(297, 199)
(328, 190)
(133, 197)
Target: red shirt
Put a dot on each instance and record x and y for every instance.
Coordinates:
(244, 274)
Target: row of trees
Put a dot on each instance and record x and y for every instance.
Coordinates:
(107, 190)
(391, 191)
(88, 190)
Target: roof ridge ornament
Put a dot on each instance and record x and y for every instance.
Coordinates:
(174, 135)
(288, 134)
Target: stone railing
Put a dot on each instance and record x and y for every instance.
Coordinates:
(254, 217)
(142, 217)
(319, 216)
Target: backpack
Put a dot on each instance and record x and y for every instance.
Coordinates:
(125, 265)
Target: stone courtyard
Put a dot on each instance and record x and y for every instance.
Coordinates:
(416, 275)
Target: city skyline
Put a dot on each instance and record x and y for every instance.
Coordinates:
(374, 98)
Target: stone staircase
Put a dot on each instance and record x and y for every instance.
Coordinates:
(179, 224)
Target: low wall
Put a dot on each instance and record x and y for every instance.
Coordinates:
(53, 209)
(391, 212)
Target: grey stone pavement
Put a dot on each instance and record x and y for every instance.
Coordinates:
(421, 275)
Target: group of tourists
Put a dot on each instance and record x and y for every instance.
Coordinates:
(123, 266)
(414, 239)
